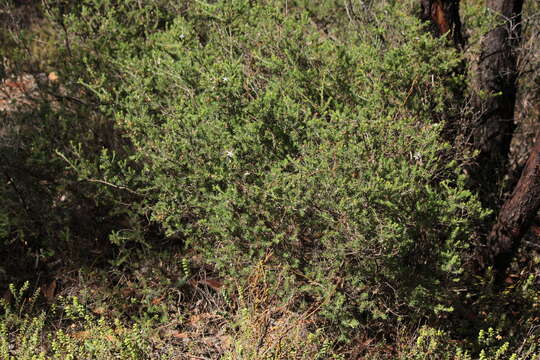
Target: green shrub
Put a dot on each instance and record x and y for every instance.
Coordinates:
(254, 129)
(255, 132)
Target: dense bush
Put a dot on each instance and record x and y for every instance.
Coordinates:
(255, 132)
(308, 138)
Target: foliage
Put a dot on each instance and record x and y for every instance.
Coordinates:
(259, 326)
(256, 133)
(275, 137)
(251, 322)
(490, 344)
(250, 131)
(24, 336)
(300, 147)
(46, 207)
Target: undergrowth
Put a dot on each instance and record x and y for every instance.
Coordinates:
(243, 180)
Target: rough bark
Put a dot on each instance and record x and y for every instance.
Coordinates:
(444, 18)
(516, 216)
(497, 75)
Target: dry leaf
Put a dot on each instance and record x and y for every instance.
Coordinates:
(127, 291)
(49, 291)
(195, 320)
(211, 283)
(53, 76)
(99, 310)
(178, 334)
(156, 301)
(214, 284)
(81, 335)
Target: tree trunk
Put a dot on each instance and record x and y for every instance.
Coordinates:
(497, 75)
(497, 78)
(515, 216)
(444, 18)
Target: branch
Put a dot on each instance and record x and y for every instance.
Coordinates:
(92, 180)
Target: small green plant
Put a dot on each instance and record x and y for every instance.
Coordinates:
(21, 325)
(24, 334)
(430, 343)
(186, 268)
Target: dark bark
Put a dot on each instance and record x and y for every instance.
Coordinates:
(444, 18)
(497, 75)
(516, 216)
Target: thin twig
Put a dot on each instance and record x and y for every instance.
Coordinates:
(114, 186)
(104, 182)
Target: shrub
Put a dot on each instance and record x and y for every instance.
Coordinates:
(255, 132)
(250, 130)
